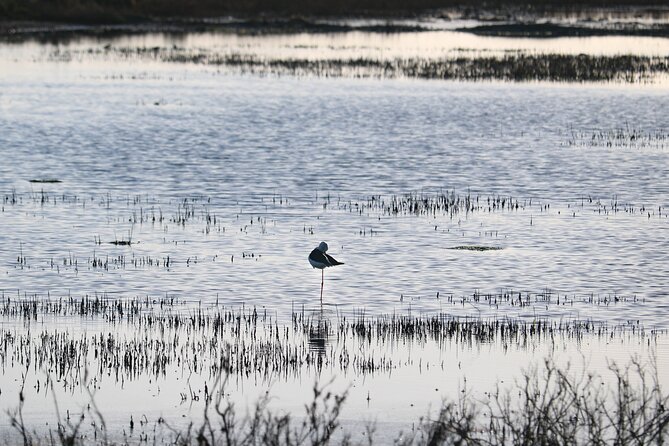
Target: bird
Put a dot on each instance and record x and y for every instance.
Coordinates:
(318, 258)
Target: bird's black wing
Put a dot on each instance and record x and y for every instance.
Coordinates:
(320, 257)
(332, 260)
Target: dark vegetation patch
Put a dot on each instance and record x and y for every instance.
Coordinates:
(551, 30)
(41, 18)
(476, 248)
(121, 242)
(62, 33)
(45, 180)
(128, 11)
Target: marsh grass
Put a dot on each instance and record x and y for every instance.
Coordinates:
(550, 405)
(547, 405)
(170, 337)
(206, 215)
(521, 67)
(619, 138)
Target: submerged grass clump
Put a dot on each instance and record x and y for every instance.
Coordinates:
(619, 138)
(45, 180)
(453, 204)
(445, 203)
(476, 248)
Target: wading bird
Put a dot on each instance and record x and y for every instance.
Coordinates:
(321, 260)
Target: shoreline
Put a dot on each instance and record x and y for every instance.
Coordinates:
(586, 22)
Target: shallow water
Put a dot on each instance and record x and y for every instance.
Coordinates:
(224, 184)
(241, 146)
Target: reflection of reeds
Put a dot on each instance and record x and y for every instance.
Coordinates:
(169, 336)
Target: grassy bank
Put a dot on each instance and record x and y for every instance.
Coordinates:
(129, 11)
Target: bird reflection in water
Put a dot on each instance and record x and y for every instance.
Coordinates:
(319, 331)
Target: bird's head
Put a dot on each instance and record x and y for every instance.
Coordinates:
(323, 247)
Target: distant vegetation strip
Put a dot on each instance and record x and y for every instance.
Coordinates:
(128, 11)
(514, 67)
(20, 31)
(548, 30)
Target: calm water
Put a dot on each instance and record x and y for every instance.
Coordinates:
(251, 173)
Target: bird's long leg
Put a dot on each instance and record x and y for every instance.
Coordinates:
(322, 280)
